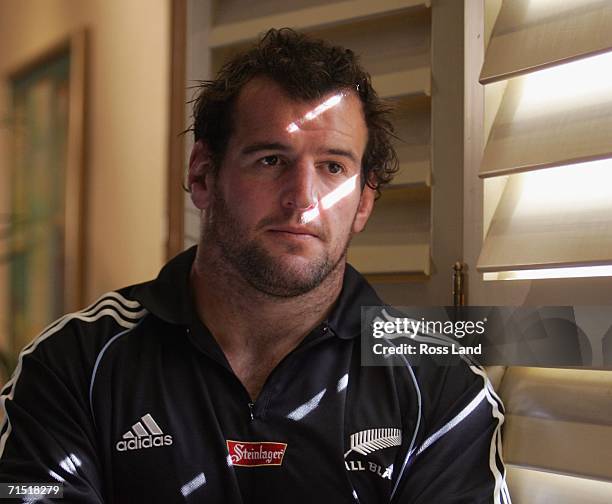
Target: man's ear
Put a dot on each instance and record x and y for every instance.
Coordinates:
(200, 177)
(366, 205)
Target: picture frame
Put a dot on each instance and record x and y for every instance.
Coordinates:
(45, 231)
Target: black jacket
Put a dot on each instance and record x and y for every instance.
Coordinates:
(132, 400)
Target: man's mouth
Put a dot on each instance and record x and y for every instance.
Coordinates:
(298, 232)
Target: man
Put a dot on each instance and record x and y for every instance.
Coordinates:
(235, 376)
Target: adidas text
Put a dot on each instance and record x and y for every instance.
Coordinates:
(144, 442)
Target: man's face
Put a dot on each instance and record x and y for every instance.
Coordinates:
(286, 200)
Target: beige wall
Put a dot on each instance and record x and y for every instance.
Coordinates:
(127, 125)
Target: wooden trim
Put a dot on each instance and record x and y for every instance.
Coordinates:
(447, 147)
(74, 294)
(397, 278)
(309, 18)
(549, 131)
(176, 144)
(413, 82)
(523, 235)
(527, 38)
(387, 259)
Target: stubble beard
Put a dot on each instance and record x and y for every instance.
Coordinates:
(260, 269)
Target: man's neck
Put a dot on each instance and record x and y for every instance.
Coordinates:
(254, 328)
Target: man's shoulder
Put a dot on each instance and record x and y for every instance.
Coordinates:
(83, 334)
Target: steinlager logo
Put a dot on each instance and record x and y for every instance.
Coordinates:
(254, 454)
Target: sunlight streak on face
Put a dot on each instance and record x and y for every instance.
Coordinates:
(327, 104)
(330, 199)
(342, 191)
(310, 215)
(317, 111)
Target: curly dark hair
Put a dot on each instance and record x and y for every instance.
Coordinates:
(307, 69)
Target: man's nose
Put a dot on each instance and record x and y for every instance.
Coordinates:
(299, 186)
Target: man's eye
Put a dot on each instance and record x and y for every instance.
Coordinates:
(270, 160)
(334, 168)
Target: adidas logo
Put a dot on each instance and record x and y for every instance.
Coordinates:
(144, 434)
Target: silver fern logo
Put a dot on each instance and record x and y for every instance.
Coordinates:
(370, 440)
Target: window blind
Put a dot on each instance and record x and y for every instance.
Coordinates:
(550, 136)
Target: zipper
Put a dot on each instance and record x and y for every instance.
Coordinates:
(258, 407)
(251, 406)
(264, 395)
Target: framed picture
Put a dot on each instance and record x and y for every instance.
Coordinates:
(44, 231)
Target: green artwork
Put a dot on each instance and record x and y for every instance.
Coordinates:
(36, 227)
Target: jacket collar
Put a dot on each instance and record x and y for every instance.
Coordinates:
(169, 296)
